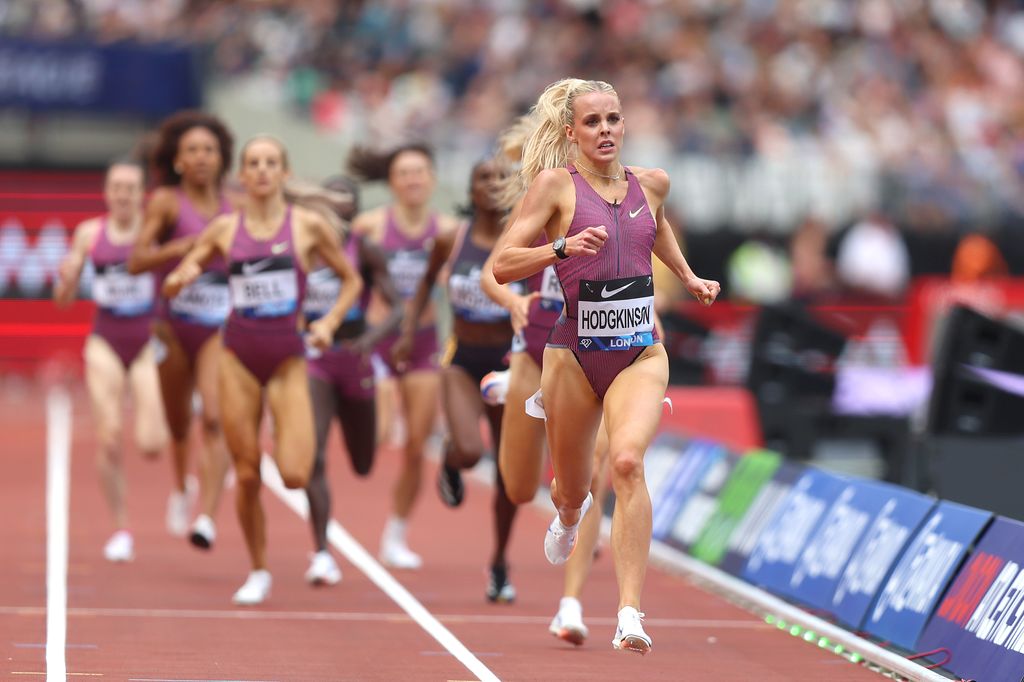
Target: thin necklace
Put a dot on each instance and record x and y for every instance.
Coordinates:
(600, 175)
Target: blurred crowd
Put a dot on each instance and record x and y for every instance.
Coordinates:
(923, 98)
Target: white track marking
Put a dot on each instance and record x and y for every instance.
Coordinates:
(58, 471)
(361, 559)
(368, 617)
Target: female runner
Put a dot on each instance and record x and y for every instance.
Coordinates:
(269, 246)
(191, 157)
(118, 347)
(406, 231)
(603, 358)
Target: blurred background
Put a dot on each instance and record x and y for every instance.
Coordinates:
(852, 171)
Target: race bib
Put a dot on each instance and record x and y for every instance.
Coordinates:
(264, 287)
(406, 269)
(118, 293)
(616, 314)
(551, 295)
(469, 300)
(205, 302)
(322, 290)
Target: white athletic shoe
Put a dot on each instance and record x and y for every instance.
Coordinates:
(179, 506)
(120, 547)
(567, 624)
(204, 532)
(323, 570)
(255, 590)
(494, 387)
(560, 541)
(394, 553)
(630, 635)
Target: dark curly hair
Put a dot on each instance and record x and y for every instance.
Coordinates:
(170, 134)
(367, 164)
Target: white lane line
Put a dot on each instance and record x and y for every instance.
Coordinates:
(364, 616)
(58, 471)
(361, 559)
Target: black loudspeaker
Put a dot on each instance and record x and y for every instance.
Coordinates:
(792, 375)
(792, 357)
(962, 403)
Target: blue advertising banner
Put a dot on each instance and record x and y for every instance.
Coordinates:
(701, 505)
(822, 560)
(899, 517)
(981, 618)
(674, 467)
(901, 609)
(780, 545)
(757, 518)
(142, 79)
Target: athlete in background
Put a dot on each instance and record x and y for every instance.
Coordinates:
(190, 159)
(118, 348)
(341, 378)
(482, 333)
(405, 230)
(269, 247)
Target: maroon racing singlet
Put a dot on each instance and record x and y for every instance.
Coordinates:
(199, 310)
(124, 302)
(407, 262)
(347, 371)
(267, 285)
(608, 317)
(471, 305)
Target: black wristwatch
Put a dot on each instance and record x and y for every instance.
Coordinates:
(559, 248)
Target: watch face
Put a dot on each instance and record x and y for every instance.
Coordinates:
(559, 243)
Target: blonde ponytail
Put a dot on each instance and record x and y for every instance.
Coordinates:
(547, 146)
(508, 158)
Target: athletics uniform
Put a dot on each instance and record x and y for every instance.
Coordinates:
(608, 317)
(266, 284)
(407, 262)
(124, 303)
(470, 304)
(349, 372)
(200, 309)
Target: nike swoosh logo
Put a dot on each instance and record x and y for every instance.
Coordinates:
(608, 294)
(253, 268)
(278, 249)
(633, 214)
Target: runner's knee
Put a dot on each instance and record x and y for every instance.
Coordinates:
(627, 464)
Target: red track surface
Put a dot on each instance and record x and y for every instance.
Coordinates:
(168, 615)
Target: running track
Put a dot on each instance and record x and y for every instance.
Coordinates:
(168, 615)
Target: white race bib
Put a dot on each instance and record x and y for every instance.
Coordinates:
(551, 295)
(616, 314)
(407, 269)
(117, 292)
(264, 288)
(469, 300)
(206, 301)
